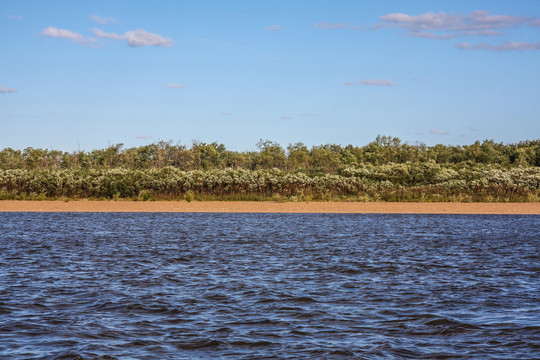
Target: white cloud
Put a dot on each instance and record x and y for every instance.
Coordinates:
(343, 25)
(16, 17)
(507, 46)
(378, 82)
(286, 117)
(428, 35)
(103, 20)
(274, 28)
(144, 137)
(225, 113)
(478, 22)
(438, 132)
(104, 35)
(372, 82)
(136, 38)
(54, 32)
(175, 86)
(4, 90)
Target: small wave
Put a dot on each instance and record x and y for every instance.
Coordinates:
(222, 330)
(139, 342)
(246, 343)
(197, 344)
(216, 297)
(289, 308)
(74, 356)
(447, 326)
(303, 299)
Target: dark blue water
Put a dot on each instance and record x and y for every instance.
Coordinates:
(189, 286)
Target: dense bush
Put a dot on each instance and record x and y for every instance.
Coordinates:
(385, 169)
(396, 182)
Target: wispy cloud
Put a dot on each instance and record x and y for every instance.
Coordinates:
(473, 129)
(274, 28)
(133, 38)
(144, 137)
(103, 20)
(343, 25)
(372, 82)
(438, 132)
(225, 113)
(286, 117)
(54, 32)
(136, 38)
(175, 86)
(4, 90)
(16, 17)
(478, 22)
(506, 46)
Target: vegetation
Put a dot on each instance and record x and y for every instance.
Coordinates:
(386, 169)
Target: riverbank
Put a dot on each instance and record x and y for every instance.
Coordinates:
(271, 207)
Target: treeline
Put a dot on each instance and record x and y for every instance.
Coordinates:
(296, 157)
(384, 170)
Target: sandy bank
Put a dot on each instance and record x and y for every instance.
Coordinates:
(269, 207)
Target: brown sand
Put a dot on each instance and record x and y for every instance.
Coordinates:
(269, 207)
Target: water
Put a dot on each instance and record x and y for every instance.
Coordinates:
(190, 286)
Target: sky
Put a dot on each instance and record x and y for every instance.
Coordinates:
(89, 74)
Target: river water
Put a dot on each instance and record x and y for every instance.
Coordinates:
(235, 286)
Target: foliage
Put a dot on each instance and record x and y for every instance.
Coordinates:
(385, 169)
(396, 182)
(329, 158)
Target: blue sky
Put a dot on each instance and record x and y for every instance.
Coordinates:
(86, 74)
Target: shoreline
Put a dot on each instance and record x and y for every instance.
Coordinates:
(530, 208)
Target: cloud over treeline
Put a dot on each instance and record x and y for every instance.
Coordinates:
(438, 132)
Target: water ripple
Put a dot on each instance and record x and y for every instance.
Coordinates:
(243, 286)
